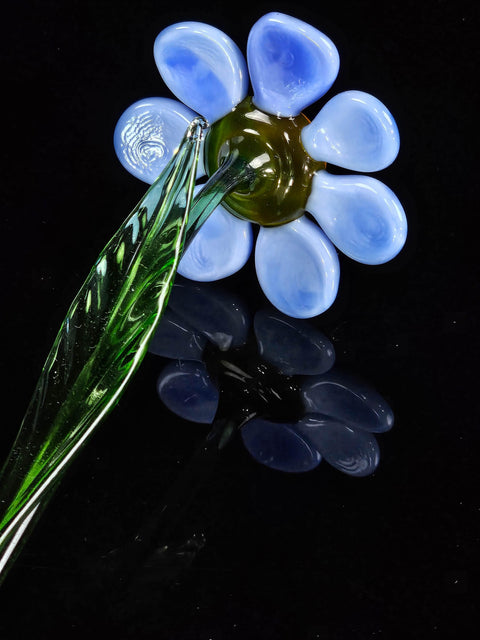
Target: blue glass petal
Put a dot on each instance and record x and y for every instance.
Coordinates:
(353, 452)
(147, 135)
(291, 64)
(221, 247)
(293, 346)
(219, 315)
(360, 215)
(347, 399)
(355, 131)
(203, 67)
(298, 268)
(279, 446)
(175, 339)
(186, 389)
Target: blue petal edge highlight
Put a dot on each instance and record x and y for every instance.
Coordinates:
(361, 216)
(203, 67)
(355, 131)
(297, 268)
(148, 134)
(291, 64)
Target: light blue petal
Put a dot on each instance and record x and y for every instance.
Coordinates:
(186, 389)
(353, 452)
(203, 67)
(176, 339)
(219, 315)
(279, 446)
(221, 247)
(293, 346)
(348, 400)
(355, 131)
(291, 64)
(360, 215)
(147, 135)
(298, 268)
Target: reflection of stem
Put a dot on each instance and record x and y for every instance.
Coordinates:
(162, 529)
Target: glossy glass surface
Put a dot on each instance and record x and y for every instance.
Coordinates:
(251, 552)
(291, 64)
(355, 131)
(361, 216)
(272, 148)
(274, 161)
(148, 134)
(203, 67)
(297, 268)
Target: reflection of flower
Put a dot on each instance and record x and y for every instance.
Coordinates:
(292, 413)
(291, 65)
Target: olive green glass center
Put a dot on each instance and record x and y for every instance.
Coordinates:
(272, 147)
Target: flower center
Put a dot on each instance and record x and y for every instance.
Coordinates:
(272, 147)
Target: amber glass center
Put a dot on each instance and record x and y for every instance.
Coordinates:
(273, 149)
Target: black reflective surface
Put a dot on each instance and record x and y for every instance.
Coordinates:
(241, 550)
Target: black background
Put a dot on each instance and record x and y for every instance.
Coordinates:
(319, 555)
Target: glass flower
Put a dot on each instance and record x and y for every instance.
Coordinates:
(294, 406)
(291, 65)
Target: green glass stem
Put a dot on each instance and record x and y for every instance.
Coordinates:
(235, 172)
(100, 345)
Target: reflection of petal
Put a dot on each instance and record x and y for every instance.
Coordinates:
(186, 389)
(353, 452)
(360, 215)
(203, 67)
(293, 346)
(291, 64)
(147, 135)
(297, 268)
(355, 131)
(347, 399)
(219, 315)
(175, 338)
(279, 446)
(221, 247)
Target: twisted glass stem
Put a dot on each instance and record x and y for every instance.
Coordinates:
(105, 334)
(100, 345)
